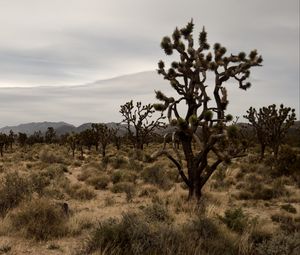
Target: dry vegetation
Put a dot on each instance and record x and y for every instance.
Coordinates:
(52, 203)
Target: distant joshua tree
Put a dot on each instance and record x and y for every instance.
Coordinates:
(22, 139)
(3, 141)
(140, 122)
(105, 137)
(72, 141)
(50, 135)
(271, 125)
(188, 77)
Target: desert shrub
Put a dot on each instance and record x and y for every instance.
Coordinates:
(94, 165)
(132, 234)
(123, 176)
(39, 181)
(54, 171)
(279, 188)
(105, 161)
(289, 208)
(118, 162)
(13, 189)
(99, 182)
(129, 236)
(116, 176)
(135, 165)
(235, 219)
(50, 157)
(109, 201)
(280, 244)
(156, 175)
(253, 188)
(148, 191)
(157, 212)
(5, 248)
(286, 222)
(85, 174)
(126, 187)
(287, 163)
(39, 219)
(80, 192)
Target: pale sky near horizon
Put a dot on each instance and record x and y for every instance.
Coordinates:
(74, 42)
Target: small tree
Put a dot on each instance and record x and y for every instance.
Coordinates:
(11, 139)
(188, 78)
(138, 122)
(50, 135)
(105, 137)
(271, 125)
(22, 139)
(3, 141)
(72, 141)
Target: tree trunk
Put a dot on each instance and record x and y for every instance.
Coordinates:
(262, 151)
(103, 151)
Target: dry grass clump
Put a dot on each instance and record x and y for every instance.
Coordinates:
(48, 156)
(98, 182)
(235, 219)
(280, 244)
(80, 192)
(39, 219)
(118, 162)
(125, 187)
(13, 189)
(123, 176)
(286, 222)
(148, 191)
(156, 175)
(254, 188)
(134, 234)
(289, 208)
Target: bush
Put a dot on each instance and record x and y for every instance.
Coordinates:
(119, 162)
(287, 223)
(132, 234)
(235, 219)
(123, 176)
(289, 208)
(157, 212)
(79, 192)
(39, 219)
(279, 244)
(49, 157)
(99, 182)
(126, 187)
(156, 175)
(287, 163)
(13, 189)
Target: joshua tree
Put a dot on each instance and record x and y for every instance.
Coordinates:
(11, 139)
(22, 139)
(271, 125)
(188, 77)
(36, 137)
(72, 140)
(50, 135)
(117, 139)
(3, 141)
(88, 138)
(104, 137)
(139, 123)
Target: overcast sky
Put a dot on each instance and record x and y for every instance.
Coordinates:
(74, 42)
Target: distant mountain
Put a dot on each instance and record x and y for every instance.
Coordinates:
(30, 128)
(60, 127)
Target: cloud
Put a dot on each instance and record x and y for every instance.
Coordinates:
(65, 43)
